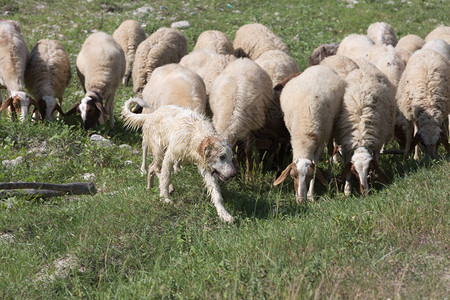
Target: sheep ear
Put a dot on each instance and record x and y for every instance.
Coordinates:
(59, 109)
(101, 108)
(284, 174)
(6, 104)
(72, 110)
(320, 176)
(347, 169)
(374, 166)
(444, 141)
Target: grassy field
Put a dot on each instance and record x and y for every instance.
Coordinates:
(124, 243)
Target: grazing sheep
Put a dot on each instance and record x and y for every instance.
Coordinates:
(340, 64)
(310, 103)
(355, 46)
(174, 133)
(386, 59)
(440, 46)
(382, 33)
(410, 42)
(47, 75)
(208, 64)
(164, 46)
(173, 84)
(100, 67)
(365, 123)
(216, 41)
(252, 40)
(129, 35)
(13, 62)
(277, 64)
(441, 32)
(423, 97)
(239, 99)
(322, 52)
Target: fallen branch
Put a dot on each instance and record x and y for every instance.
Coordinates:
(392, 152)
(45, 190)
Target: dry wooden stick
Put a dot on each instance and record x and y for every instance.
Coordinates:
(45, 190)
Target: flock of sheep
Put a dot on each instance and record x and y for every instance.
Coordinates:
(225, 97)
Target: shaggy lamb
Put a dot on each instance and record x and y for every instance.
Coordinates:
(47, 76)
(129, 35)
(13, 62)
(174, 133)
(310, 103)
(100, 67)
(365, 123)
(252, 40)
(423, 97)
(164, 46)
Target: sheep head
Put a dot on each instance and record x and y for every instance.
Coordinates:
(301, 171)
(19, 104)
(430, 135)
(361, 163)
(91, 110)
(47, 105)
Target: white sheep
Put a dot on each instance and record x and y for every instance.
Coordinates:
(440, 46)
(310, 103)
(208, 64)
(365, 123)
(410, 42)
(47, 75)
(322, 52)
(355, 46)
(252, 40)
(164, 46)
(215, 40)
(100, 67)
(239, 99)
(423, 96)
(387, 60)
(404, 54)
(382, 33)
(13, 62)
(277, 64)
(129, 35)
(173, 84)
(342, 65)
(441, 32)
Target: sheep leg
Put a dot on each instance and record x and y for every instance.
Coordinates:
(110, 108)
(347, 185)
(151, 173)
(144, 157)
(409, 135)
(310, 195)
(165, 178)
(248, 158)
(416, 149)
(216, 197)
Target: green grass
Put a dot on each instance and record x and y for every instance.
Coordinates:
(124, 243)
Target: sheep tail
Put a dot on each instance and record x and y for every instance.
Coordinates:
(132, 120)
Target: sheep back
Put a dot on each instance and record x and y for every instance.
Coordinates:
(355, 46)
(424, 85)
(386, 59)
(342, 65)
(310, 103)
(252, 40)
(440, 46)
(176, 85)
(441, 32)
(367, 117)
(129, 35)
(382, 33)
(13, 56)
(216, 41)
(277, 64)
(48, 71)
(239, 98)
(410, 42)
(100, 64)
(164, 46)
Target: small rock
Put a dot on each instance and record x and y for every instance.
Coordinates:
(163, 7)
(88, 176)
(98, 139)
(6, 237)
(144, 10)
(180, 25)
(13, 162)
(125, 146)
(127, 162)
(8, 13)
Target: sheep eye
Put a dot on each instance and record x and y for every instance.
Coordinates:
(223, 157)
